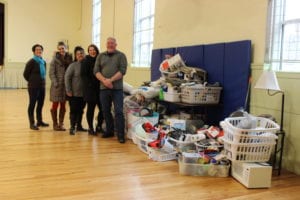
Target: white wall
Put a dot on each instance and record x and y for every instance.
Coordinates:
(180, 22)
(45, 22)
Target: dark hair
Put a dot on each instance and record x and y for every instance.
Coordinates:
(77, 48)
(61, 43)
(35, 46)
(95, 47)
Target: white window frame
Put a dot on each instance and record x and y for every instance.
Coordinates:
(278, 45)
(139, 32)
(96, 24)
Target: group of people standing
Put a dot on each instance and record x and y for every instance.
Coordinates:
(95, 79)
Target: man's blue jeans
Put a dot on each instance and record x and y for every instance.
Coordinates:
(107, 97)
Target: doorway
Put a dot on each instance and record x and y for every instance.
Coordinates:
(1, 33)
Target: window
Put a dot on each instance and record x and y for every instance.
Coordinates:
(143, 32)
(96, 22)
(283, 52)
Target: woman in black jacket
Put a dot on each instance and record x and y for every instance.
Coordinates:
(91, 89)
(35, 73)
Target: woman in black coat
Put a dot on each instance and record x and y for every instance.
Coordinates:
(91, 89)
(35, 74)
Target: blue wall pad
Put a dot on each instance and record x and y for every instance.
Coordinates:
(191, 55)
(226, 63)
(214, 65)
(236, 75)
(214, 62)
(155, 62)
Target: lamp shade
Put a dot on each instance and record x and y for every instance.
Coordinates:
(267, 81)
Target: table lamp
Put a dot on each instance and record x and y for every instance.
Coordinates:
(268, 81)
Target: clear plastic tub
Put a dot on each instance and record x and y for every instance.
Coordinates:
(195, 169)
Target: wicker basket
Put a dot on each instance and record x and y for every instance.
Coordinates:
(201, 95)
(171, 97)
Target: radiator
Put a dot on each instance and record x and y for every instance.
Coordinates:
(12, 77)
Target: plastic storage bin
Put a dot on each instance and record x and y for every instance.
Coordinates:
(208, 144)
(142, 143)
(162, 155)
(194, 169)
(182, 146)
(171, 97)
(133, 119)
(129, 111)
(200, 95)
(140, 132)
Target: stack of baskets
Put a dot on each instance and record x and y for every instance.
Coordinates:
(249, 145)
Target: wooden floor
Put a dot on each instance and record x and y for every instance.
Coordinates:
(54, 165)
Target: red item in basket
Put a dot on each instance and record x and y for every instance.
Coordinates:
(159, 143)
(148, 127)
(213, 132)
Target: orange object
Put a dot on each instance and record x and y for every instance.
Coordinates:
(221, 133)
(165, 65)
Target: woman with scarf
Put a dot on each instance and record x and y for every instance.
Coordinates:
(34, 74)
(58, 67)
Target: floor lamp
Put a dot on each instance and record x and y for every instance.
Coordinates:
(268, 81)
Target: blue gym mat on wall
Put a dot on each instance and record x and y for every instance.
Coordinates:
(226, 63)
